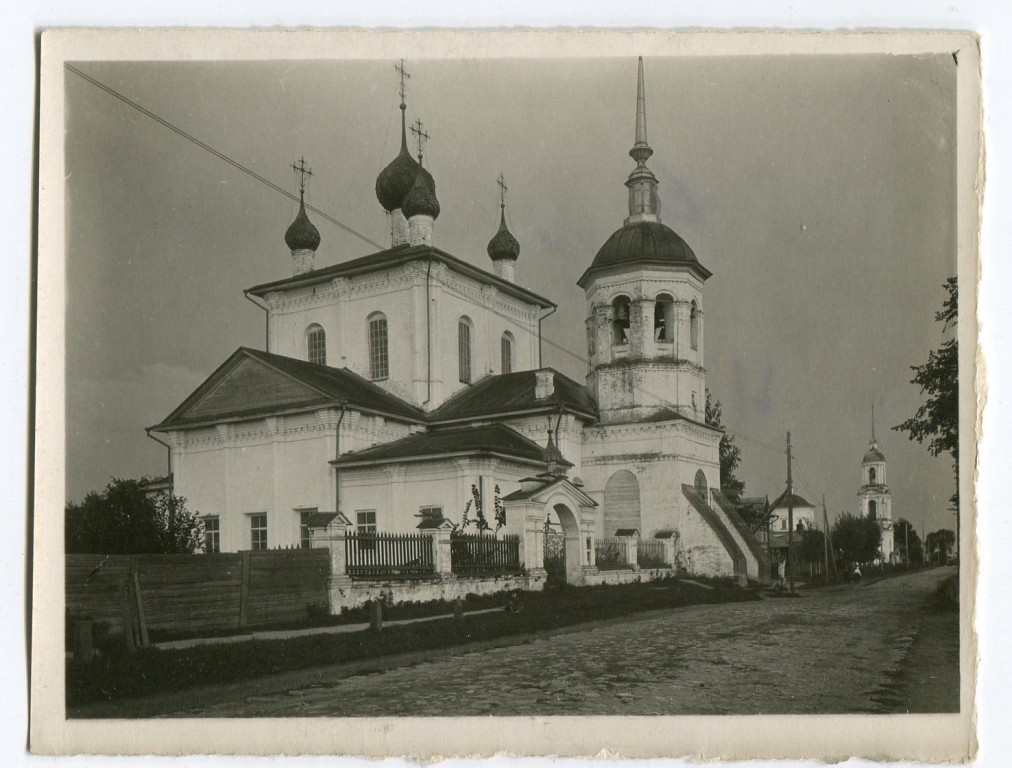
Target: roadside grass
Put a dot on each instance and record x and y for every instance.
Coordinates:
(115, 675)
(946, 594)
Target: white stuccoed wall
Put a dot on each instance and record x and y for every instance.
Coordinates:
(342, 307)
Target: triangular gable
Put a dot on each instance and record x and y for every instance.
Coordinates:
(242, 386)
(543, 494)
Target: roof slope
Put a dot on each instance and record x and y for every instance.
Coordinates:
(395, 257)
(797, 501)
(252, 383)
(495, 438)
(513, 392)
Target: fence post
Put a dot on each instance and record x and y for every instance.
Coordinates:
(629, 544)
(669, 551)
(332, 539)
(442, 557)
(244, 567)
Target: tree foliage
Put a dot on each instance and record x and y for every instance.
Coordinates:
(939, 544)
(730, 454)
(756, 513)
(904, 535)
(937, 420)
(811, 548)
(125, 520)
(856, 539)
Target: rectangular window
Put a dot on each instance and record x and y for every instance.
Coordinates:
(365, 521)
(258, 530)
(431, 513)
(305, 538)
(379, 360)
(212, 534)
(464, 351)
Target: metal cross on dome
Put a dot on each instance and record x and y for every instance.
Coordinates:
(503, 189)
(303, 170)
(420, 135)
(404, 78)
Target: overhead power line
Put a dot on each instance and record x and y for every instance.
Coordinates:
(327, 217)
(220, 155)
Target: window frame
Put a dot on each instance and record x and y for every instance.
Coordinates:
(379, 346)
(694, 325)
(506, 344)
(305, 534)
(316, 342)
(465, 350)
(255, 543)
(215, 533)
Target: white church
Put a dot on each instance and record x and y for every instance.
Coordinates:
(393, 383)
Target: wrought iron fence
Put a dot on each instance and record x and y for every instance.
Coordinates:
(650, 553)
(482, 554)
(389, 555)
(610, 554)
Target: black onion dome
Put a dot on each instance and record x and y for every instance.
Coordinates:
(302, 234)
(395, 181)
(503, 245)
(421, 198)
(873, 455)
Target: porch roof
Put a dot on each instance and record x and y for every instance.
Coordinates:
(515, 392)
(492, 439)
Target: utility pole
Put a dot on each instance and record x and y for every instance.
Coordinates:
(790, 519)
(825, 534)
(906, 542)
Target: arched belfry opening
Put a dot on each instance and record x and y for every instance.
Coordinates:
(620, 318)
(699, 483)
(664, 318)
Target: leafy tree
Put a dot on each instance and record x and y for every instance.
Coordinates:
(939, 545)
(756, 513)
(904, 535)
(937, 420)
(125, 520)
(730, 454)
(811, 548)
(856, 539)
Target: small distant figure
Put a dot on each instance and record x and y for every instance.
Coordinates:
(513, 601)
(857, 573)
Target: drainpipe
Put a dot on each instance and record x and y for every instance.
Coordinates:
(167, 447)
(337, 455)
(428, 336)
(554, 309)
(267, 320)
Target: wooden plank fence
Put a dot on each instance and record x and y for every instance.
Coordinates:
(183, 593)
(389, 555)
(478, 554)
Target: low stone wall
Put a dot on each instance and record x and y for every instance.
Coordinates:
(345, 593)
(627, 576)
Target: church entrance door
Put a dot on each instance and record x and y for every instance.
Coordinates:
(555, 555)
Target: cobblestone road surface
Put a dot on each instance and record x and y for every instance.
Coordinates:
(844, 649)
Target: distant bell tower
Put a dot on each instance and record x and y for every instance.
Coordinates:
(645, 299)
(875, 496)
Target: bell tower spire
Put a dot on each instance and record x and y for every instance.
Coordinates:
(644, 204)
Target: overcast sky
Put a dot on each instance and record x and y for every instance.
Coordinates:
(820, 191)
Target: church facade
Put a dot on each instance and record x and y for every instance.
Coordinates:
(393, 383)
(876, 498)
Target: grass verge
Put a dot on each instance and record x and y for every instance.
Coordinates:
(116, 675)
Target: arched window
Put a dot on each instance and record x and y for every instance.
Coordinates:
(464, 350)
(379, 358)
(620, 321)
(872, 475)
(873, 509)
(694, 325)
(700, 483)
(316, 345)
(506, 347)
(621, 502)
(664, 318)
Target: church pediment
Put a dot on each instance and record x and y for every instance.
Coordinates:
(243, 386)
(550, 488)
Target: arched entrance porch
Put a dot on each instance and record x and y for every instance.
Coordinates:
(565, 555)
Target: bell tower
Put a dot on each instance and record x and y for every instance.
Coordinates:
(875, 496)
(645, 307)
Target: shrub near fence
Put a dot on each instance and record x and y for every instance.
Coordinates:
(192, 593)
(650, 553)
(389, 555)
(482, 554)
(609, 555)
